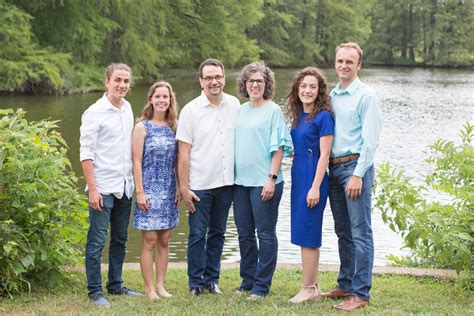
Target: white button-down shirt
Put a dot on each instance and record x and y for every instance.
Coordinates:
(211, 132)
(106, 138)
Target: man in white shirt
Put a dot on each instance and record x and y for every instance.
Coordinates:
(106, 157)
(206, 173)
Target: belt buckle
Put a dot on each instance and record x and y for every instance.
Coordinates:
(309, 152)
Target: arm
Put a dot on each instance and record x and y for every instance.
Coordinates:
(325, 144)
(177, 197)
(89, 132)
(269, 187)
(138, 141)
(184, 153)
(371, 120)
(95, 199)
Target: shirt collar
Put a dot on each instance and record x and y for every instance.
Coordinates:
(110, 106)
(204, 101)
(351, 89)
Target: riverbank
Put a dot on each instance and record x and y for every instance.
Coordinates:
(391, 295)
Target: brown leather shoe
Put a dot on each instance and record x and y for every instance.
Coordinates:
(350, 303)
(336, 293)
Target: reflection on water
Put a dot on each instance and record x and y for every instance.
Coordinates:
(419, 106)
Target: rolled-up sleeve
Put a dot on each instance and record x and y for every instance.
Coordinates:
(88, 138)
(371, 118)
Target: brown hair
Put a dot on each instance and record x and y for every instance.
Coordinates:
(295, 106)
(250, 69)
(171, 113)
(353, 45)
(112, 67)
(211, 62)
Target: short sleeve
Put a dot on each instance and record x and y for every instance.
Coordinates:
(280, 133)
(184, 130)
(326, 124)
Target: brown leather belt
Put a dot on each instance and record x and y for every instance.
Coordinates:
(335, 161)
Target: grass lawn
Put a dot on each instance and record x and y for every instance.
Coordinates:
(391, 295)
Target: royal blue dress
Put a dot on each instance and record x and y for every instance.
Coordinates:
(306, 223)
(159, 179)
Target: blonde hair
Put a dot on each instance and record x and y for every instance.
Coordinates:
(171, 113)
(353, 45)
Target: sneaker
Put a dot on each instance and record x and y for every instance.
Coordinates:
(254, 297)
(241, 291)
(125, 291)
(99, 300)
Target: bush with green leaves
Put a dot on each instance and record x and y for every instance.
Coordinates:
(438, 231)
(42, 217)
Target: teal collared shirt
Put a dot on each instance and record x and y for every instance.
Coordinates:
(358, 123)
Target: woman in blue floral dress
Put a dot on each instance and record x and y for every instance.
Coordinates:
(154, 161)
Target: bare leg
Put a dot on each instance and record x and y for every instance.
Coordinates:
(310, 289)
(150, 239)
(161, 261)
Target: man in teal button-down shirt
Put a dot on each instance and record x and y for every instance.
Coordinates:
(351, 174)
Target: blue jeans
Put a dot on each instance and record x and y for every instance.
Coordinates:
(352, 222)
(116, 212)
(257, 263)
(207, 228)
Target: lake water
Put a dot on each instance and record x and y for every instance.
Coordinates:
(419, 106)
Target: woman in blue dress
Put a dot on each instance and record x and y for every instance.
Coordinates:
(261, 140)
(312, 133)
(154, 161)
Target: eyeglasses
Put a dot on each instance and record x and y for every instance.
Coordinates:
(259, 82)
(209, 79)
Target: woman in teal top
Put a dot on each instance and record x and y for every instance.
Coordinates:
(262, 138)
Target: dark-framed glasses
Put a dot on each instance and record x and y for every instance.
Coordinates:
(217, 78)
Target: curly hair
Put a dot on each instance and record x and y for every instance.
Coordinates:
(295, 106)
(171, 113)
(250, 69)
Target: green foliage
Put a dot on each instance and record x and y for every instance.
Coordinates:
(42, 226)
(439, 234)
(57, 46)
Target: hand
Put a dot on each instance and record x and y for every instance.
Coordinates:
(188, 196)
(177, 197)
(95, 200)
(268, 190)
(312, 198)
(354, 187)
(142, 202)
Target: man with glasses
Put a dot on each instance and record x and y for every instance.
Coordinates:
(206, 173)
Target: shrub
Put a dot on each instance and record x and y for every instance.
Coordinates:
(42, 223)
(439, 234)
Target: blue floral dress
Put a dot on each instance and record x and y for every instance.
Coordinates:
(159, 179)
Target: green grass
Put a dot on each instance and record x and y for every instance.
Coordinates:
(391, 295)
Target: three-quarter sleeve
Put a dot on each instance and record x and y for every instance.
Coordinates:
(280, 133)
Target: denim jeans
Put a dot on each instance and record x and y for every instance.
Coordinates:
(352, 222)
(257, 262)
(207, 228)
(116, 212)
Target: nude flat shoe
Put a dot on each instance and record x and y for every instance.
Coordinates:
(316, 294)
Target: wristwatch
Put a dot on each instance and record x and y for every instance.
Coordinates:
(272, 176)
